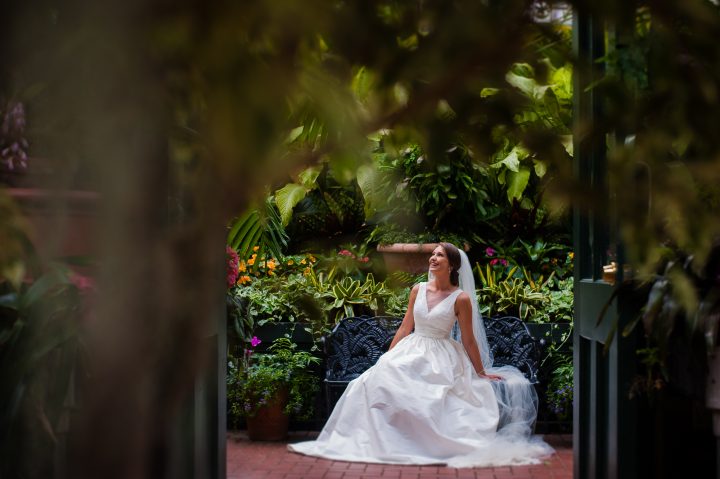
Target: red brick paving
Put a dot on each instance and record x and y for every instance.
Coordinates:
(271, 460)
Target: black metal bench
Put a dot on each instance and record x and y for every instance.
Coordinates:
(356, 343)
(512, 345)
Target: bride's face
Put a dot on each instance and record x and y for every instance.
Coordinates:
(439, 263)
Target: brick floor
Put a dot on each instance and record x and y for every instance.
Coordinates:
(272, 460)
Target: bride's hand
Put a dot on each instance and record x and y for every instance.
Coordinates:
(492, 377)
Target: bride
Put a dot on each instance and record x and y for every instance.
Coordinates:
(435, 397)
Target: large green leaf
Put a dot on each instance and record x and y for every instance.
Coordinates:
(309, 176)
(517, 182)
(527, 85)
(58, 276)
(370, 185)
(540, 167)
(263, 229)
(362, 84)
(513, 159)
(286, 198)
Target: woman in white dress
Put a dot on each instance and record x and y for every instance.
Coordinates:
(434, 397)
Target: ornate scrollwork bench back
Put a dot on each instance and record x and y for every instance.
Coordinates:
(356, 343)
(513, 345)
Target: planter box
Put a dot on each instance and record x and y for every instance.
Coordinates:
(269, 332)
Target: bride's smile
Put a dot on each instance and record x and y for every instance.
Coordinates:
(438, 261)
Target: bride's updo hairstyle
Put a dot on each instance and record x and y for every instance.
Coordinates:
(453, 256)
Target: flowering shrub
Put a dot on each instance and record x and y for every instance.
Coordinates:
(232, 266)
(490, 252)
(259, 267)
(560, 390)
(257, 379)
(349, 260)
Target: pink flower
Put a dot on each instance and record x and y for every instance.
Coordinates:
(233, 265)
(255, 341)
(364, 259)
(83, 283)
(490, 252)
(501, 261)
(344, 252)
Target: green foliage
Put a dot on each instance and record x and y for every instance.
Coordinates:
(327, 208)
(350, 297)
(539, 258)
(41, 352)
(343, 296)
(255, 380)
(680, 320)
(287, 197)
(420, 196)
(560, 305)
(508, 295)
(16, 246)
(350, 260)
(560, 390)
(258, 231)
(388, 233)
(314, 292)
(271, 299)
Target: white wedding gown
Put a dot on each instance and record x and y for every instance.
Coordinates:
(423, 403)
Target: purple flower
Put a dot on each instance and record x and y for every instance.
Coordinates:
(255, 341)
(489, 251)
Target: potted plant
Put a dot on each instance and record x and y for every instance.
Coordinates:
(267, 388)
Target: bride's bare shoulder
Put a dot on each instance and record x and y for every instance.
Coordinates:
(463, 299)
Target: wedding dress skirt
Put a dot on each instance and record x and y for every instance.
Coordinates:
(423, 403)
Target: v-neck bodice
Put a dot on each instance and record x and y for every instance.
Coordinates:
(438, 321)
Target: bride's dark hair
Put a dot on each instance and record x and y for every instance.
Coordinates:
(453, 256)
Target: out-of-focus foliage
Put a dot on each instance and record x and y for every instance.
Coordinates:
(661, 91)
(41, 365)
(221, 88)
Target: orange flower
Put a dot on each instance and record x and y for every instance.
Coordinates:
(241, 267)
(312, 259)
(270, 264)
(306, 271)
(255, 248)
(243, 279)
(290, 262)
(303, 262)
(251, 261)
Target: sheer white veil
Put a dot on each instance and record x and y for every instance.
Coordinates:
(517, 398)
(467, 284)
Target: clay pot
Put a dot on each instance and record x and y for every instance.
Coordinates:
(270, 423)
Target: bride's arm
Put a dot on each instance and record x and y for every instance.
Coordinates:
(463, 310)
(408, 322)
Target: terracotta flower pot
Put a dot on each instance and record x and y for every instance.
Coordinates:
(270, 423)
(409, 257)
